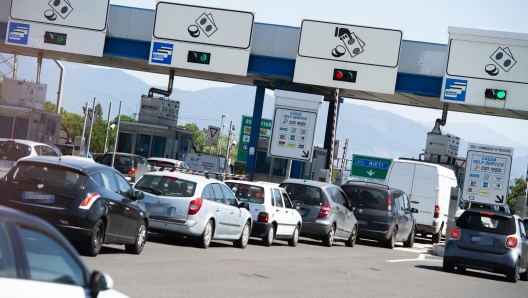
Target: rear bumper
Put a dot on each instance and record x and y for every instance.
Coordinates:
(315, 229)
(260, 229)
(480, 260)
(431, 229)
(188, 227)
(74, 233)
(376, 235)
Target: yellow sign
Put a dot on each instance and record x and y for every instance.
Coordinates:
(484, 192)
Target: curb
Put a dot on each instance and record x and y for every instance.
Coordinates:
(438, 249)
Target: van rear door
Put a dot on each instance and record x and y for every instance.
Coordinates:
(401, 176)
(423, 194)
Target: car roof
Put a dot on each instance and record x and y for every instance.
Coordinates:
(180, 175)
(163, 159)
(25, 142)
(308, 182)
(73, 163)
(125, 154)
(369, 183)
(496, 212)
(257, 183)
(442, 170)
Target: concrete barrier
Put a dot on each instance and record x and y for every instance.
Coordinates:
(439, 249)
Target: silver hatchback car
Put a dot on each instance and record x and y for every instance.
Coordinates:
(489, 240)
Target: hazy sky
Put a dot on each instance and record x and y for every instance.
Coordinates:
(421, 20)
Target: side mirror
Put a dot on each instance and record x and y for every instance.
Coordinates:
(99, 282)
(244, 205)
(354, 208)
(414, 210)
(139, 195)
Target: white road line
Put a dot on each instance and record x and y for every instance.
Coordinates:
(420, 257)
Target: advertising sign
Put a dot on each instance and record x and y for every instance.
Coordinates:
(487, 174)
(245, 132)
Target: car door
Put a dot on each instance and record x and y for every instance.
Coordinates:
(236, 218)
(349, 215)
(222, 213)
(291, 217)
(132, 216)
(408, 215)
(338, 201)
(113, 204)
(401, 220)
(279, 212)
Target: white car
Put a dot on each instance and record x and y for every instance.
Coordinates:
(195, 206)
(11, 150)
(155, 163)
(274, 216)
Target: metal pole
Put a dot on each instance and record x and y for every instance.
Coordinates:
(331, 161)
(61, 85)
(220, 136)
(344, 156)
(91, 126)
(15, 67)
(39, 67)
(84, 121)
(228, 146)
(288, 169)
(107, 128)
(117, 133)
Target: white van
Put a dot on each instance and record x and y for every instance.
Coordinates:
(206, 162)
(428, 186)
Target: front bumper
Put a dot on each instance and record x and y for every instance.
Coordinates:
(260, 229)
(502, 263)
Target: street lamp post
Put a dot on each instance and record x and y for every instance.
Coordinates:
(220, 136)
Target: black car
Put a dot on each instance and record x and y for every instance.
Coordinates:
(383, 213)
(125, 163)
(36, 260)
(89, 203)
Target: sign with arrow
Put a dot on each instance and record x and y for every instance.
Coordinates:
(370, 167)
(213, 133)
(487, 174)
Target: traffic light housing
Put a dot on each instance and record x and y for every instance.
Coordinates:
(495, 94)
(198, 57)
(55, 38)
(345, 75)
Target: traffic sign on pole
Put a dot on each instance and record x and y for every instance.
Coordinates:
(245, 132)
(213, 134)
(370, 167)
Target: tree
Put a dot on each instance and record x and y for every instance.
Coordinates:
(1, 84)
(49, 106)
(123, 118)
(516, 190)
(99, 110)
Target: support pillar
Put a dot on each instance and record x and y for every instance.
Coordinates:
(255, 129)
(328, 145)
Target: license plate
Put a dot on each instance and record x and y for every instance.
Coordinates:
(362, 222)
(481, 240)
(36, 197)
(159, 209)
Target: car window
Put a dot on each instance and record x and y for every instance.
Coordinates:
(277, 198)
(106, 159)
(366, 197)
(406, 204)
(228, 194)
(521, 228)
(345, 199)
(125, 161)
(122, 185)
(487, 221)
(304, 193)
(13, 151)
(287, 202)
(48, 260)
(7, 260)
(106, 179)
(247, 193)
(47, 151)
(336, 196)
(399, 202)
(207, 193)
(166, 186)
(219, 196)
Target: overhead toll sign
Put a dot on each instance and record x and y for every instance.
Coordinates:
(487, 174)
(202, 38)
(370, 167)
(348, 56)
(71, 26)
(245, 132)
(486, 68)
(294, 122)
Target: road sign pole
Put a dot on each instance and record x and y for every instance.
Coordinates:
(331, 159)
(255, 130)
(107, 128)
(344, 156)
(91, 127)
(117, 134)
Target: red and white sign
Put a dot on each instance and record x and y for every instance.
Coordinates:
(460, 162)
(213, 133)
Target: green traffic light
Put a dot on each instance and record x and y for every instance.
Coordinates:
(203, 57)
(501, 94)
(60, 39)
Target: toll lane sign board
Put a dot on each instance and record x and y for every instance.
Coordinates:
(370, 167)
(245, 132)
(487, 174)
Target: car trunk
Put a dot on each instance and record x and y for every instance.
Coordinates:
(371, 206)
(254, 195)
(309, 199)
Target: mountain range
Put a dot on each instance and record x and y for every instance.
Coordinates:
(370, 131)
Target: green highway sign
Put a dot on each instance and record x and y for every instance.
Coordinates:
(370, 167)
(245, 132)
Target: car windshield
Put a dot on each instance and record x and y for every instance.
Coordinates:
(166, 186)
(55, 179)
(123, 161)
(486, 221)
(247, 193)
(305, 193)
(366, 197)
(12, 151)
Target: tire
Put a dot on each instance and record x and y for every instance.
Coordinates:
(461, 269)
(140, 241)
(513, 275)
(353, 236)
(204, 240)
(244, 237)
(91, 246)
(328, 239)
(268, 239)
(392, 240)
(295, 238)
(448, 267)
(423, 234)
(410, 240)
(438, 236)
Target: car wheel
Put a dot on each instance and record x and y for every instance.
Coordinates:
(461, 269)
(410, 240)
(141, 239)
(91, 246)
(423, 234)
(438, 236)
(353, 236)
(268, 239)
(513, 275)
(448, 267)
(295, 238)
(392, 240)
(244, 238)
(328, 239)
(204, 240)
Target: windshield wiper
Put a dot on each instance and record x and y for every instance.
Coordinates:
(151, 190)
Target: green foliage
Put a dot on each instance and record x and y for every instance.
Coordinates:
(73, 123)
(1, 84)
(49, 106)
(123, 118)
(516, 190)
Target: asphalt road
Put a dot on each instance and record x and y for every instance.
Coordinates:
(172, 267)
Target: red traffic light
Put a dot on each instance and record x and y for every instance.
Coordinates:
(489, 93)
(345, 75)
(339, 75)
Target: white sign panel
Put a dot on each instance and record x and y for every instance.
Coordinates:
(372, 53)
(293, 134)
(487, 174)
(480, 60)
(213, 133)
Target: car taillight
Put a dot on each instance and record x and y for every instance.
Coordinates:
(325, 210)
(263, 217)
(455, 233)
(511, 242)
(389, 203)
(437, 211)
(132, 171)
(195, 205)
(89, 201)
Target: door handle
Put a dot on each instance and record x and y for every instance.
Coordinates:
(286, 211)
(232, 212)
(277, 210)
(217, 210)
(111, 203)
(127, 208)
(415, 202)
(337, 207)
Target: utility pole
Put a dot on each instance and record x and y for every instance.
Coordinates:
(91, 127)
(107, 127)
(117, 134)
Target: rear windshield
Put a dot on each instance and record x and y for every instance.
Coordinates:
(156, 163)
(166, 186)
(366, 197)
(55, 179)
(304, 193)
(487, 222)
(13, 151)
(247, 193)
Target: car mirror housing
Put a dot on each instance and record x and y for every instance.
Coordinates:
(244, 205)
(414, 210)
(139, 195)
(99, 282)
